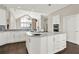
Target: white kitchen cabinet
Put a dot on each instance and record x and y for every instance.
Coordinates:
(19, 36)
(56, 20)
(12, 37)
(77, 38)
(3, 20)
(3, 38)
(15, 36)
(72, 28)
(56, 43)
(37, 45)
(59, 42)
(28, 44)
(51, 44)
(33, 45)
(46, 44)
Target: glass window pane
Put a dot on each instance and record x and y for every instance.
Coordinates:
(22, 24)
(25, 22)
(28, 25)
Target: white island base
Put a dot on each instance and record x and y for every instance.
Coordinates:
(46, 43)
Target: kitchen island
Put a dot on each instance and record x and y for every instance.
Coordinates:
(46, 43)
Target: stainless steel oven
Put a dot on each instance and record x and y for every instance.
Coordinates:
(56, 27)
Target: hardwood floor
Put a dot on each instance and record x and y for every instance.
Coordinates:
(20, 48)
(14, 48)
(71, 49)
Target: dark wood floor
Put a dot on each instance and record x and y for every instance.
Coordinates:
(71, 49)
(20, 48)
(14, 48)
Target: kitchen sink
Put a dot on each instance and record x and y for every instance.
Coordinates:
(37, 34)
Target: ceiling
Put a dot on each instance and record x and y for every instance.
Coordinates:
(42, 8)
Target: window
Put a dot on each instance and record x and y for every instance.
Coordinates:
(25, 22)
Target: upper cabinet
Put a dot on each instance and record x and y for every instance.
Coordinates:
(56, 19)
(3, 17)
(71, 23)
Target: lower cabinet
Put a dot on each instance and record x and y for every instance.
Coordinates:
(19, 36)
(47, 44)
(76, 40)
(50, 44)
(56, 43)
(3, 38)
(12, 37)
(33, 45)
(44, 45)
(59, 42)
(36, 45)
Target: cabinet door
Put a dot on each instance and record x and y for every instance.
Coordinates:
(60, 42)
(77, 38)
(3, 17)
(56, 19)
(19, 36)
(44, 46)
(3, 38)
(11, 37)
(50, 44)
(34, 45)
(28, 44)
(70, 27)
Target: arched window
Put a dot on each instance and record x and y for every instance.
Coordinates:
(25, 22)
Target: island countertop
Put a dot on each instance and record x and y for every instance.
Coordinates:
(44, 34)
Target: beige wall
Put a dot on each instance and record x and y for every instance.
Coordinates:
(69, 10)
